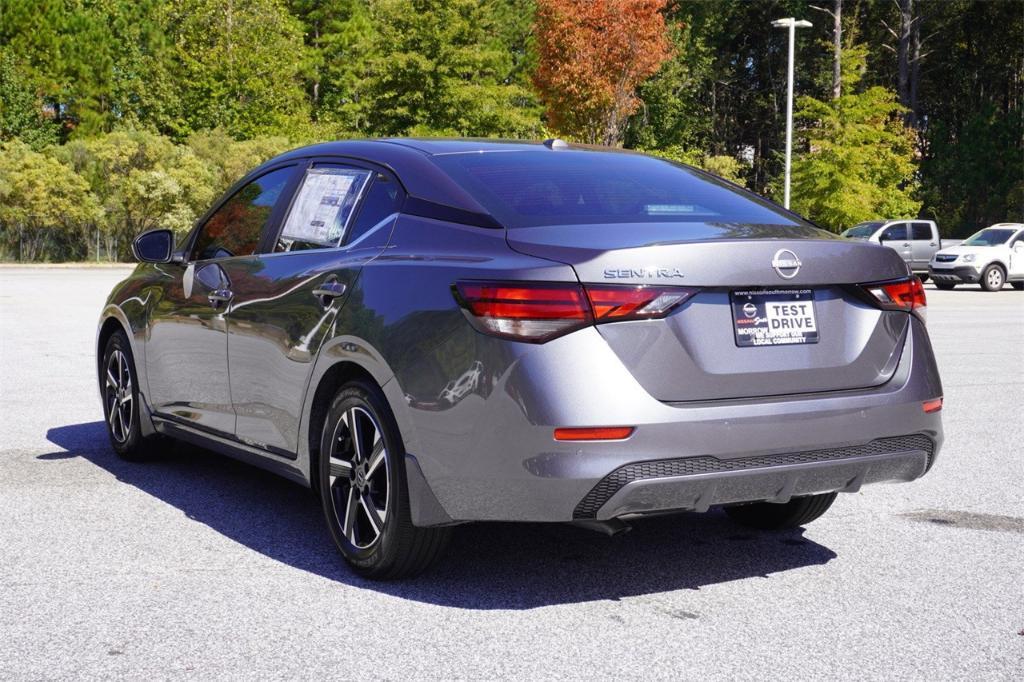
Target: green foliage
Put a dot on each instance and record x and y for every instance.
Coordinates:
(238, 64)
(340, 38)
(726, 167)
(441, 68)
(159, 105)
(673, 112)
(21, 110)
(42, 202)
(142, 181)
(228, 160)
(860, 160)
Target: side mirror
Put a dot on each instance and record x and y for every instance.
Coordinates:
(154, 246)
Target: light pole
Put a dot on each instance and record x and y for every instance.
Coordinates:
(792, 24)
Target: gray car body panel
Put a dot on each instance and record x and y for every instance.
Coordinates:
(476, 413)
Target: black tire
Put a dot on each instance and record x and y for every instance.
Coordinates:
(394, 548)
(993, 278)
(945, 286)
(923, 277)
(772, 516)
(119, 387)
(1019, 286)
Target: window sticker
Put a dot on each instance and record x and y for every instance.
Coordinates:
(323, 205)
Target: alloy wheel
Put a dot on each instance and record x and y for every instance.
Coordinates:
(995, 278)
(359, 483)
(119, 396)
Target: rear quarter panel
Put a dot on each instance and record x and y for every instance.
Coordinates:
(403, 325)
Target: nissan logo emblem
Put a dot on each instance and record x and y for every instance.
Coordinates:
(749, 309)
(786, 263)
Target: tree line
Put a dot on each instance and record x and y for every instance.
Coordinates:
(120, 115)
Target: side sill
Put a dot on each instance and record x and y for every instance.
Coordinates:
(230, 448)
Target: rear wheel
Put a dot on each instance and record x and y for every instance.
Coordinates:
(923, 276)
(364, 491)
(773, 516)
(993, 278)
(945, 286)
(120, 389)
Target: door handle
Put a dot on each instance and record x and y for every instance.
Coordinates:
(218, 296)
(328, 291)
(906, 243)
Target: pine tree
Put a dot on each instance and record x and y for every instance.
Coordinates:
(859, 162)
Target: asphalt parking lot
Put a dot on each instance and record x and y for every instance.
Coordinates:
(200, 567)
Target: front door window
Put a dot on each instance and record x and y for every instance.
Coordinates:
(236, 227)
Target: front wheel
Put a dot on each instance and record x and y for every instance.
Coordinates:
(773, 516)
(364, 491)
(120, 388)
(944, 286)
(923, 277)
(992, 279)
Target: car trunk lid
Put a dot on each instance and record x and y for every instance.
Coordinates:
(695, 353)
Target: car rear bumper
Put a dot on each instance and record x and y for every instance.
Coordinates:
(961, 275)
(699, 482)
(495, 458)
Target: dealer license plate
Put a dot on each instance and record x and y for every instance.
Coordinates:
(774, 317)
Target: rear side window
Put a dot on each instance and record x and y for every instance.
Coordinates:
(322, 208)
(893, 233)
(235, 228)
(382, 200)
(922, 232)
(570, 187)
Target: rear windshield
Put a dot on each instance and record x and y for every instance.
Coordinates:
(862, 230)
(532, 188)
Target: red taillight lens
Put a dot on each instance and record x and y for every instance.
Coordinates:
(905, 294)
(540, 311)
(930, 406)
(633, 303)
(524, 311)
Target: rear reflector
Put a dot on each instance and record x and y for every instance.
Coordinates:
(540, 311)
(597, 433)
(932, 405)
(904, 294)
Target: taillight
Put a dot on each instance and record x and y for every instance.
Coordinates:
(904, 294)
(540, 311)
(634, 302)
(524, 311)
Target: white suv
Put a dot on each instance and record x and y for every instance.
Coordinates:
(990, 258)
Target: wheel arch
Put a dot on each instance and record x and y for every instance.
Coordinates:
(333, 378)
(1001, 265)
(114, 320)
(330, 377)
(111, 321)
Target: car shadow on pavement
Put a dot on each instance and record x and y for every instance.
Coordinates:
(488, 566)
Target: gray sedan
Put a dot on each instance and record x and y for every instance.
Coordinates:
(432, 332)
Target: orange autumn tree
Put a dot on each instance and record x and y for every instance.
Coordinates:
(592, 55)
